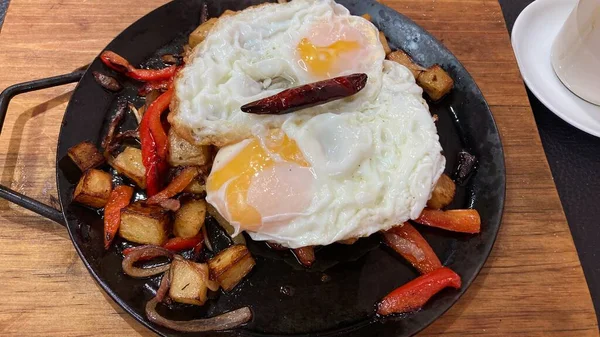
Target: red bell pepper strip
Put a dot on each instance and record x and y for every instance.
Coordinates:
(456, 220)
(414, 294)
(409, 243)
(120, 64)
(175, 186)
(178, 244)
(119, 198)
(155, 143)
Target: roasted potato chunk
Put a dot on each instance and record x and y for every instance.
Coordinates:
(129, 163)
(401, 57)
(443, 193)
(366, 16)
(189, 218)
(188, 281)
(195, 187)
(86, 156)
(230, 266)
(183, 153)
(145, 224)
(386, 46)
(436, 82)
(93, 189)
(200, 33)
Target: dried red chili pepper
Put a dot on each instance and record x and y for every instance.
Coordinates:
(308, 95)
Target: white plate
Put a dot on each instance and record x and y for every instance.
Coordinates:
(532, 38)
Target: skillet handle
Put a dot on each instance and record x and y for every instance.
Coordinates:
(5, 97)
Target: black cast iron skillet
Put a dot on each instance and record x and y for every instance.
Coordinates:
(336, 296)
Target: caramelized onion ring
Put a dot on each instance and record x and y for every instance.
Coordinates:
(163, 289)
(224, 321)
(145, 253)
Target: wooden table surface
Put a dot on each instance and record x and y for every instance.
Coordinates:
(532, 284)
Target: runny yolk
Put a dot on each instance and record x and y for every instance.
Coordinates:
(240, 170)
(321, 60)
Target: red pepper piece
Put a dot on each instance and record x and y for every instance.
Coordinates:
(413, 295)
(155, 143)
(119, 198)
(175, 186)
(409, 243)
(146, 75)
(456, 220)
(120, 64)
(178, 244)
(305, 255)
(308, 95)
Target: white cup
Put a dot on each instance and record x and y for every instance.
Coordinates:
(576, 51)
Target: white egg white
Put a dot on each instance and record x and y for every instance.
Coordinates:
(374, 158)
(253, 54)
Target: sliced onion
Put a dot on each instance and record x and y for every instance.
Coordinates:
(206, 239)
(114, 123)
(163, 289)
(145, 253)
(170, 204)
(228, 320)
(135, 112)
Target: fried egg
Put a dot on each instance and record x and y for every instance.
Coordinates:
(262, 50)
(342, 170)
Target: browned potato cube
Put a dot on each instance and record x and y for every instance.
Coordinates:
(401, 57)
(189, 218)
(145, 224)
(93, 189)
(230, 266)
(200, 33)
(366, 16)
(443, 193)
(386, 46)
(129, 163)
(183, 153)
(86, 156)
(436, 82)
(188, 282)
(195, 187)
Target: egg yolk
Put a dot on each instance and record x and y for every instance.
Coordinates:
(321, 60)
(240, 170)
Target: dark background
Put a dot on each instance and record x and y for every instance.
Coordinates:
(574, 158)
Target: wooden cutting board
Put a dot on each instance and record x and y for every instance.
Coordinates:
(532, 284)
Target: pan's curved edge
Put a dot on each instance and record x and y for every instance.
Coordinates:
(139, 318)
